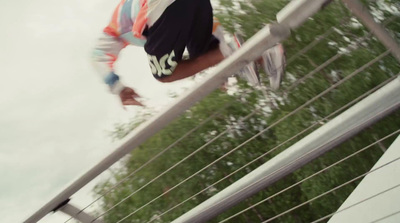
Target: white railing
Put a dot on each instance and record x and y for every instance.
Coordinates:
(371, 109)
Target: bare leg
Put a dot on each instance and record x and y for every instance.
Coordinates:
(187, 68)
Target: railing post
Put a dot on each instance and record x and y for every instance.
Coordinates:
(362, 13)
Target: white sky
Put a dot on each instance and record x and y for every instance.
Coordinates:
(55, 111)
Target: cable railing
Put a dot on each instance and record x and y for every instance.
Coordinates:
(249, 51)
(241, 145)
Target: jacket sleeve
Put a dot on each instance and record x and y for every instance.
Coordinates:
(104, 56)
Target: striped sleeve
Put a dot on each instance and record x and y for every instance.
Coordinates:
(104, 56)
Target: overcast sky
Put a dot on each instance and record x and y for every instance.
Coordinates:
(55, 111)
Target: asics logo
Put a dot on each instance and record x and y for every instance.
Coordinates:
(164, 66)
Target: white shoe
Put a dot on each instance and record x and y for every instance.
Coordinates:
(274, 63)
(250, 71)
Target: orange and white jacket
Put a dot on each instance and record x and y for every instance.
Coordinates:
(127, 24)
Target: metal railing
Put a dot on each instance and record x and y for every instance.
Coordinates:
(373, 107)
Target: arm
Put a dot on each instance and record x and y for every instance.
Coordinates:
(104, 56)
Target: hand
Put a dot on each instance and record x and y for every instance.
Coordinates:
(128, 97)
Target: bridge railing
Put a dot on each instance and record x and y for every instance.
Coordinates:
(371, 107)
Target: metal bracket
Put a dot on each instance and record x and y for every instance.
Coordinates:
(79, 215)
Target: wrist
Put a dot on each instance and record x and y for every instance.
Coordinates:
(112, 80)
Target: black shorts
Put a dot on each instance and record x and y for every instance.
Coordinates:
(184, 24)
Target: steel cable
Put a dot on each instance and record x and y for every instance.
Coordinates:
(386, 217)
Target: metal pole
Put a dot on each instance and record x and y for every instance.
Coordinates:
(254, 47)
(338, 130)
(362, 13)
(78, 215)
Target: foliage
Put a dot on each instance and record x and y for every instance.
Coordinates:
(229, 126)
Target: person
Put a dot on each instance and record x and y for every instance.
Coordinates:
(165, 28)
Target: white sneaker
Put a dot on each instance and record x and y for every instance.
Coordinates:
(274, 63)
(250, 71)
